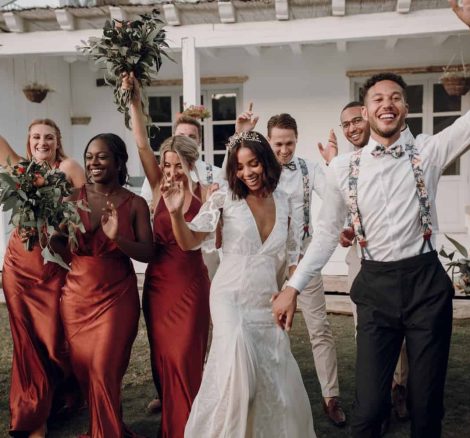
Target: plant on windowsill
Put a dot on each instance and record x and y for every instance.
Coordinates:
(36, 92)
(460, 268)
(197, 112)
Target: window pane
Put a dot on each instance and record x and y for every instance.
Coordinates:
(443, 122)
(221, 135)
(415, 98)
(416, 125)
(224, 106)
(219, 159)
(443, 102)
(453, 168)
(157, 136)
(160, 108)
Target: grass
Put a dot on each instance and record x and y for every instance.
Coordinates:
(138, 387)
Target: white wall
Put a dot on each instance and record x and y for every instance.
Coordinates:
(312, 87)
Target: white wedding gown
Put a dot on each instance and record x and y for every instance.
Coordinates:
(251, 387)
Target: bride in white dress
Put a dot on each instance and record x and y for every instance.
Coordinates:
(251, 385)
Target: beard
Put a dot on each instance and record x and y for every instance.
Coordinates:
(390, 132)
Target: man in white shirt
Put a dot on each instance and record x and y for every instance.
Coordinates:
(299, 179)
(402, 290)
(357, 131)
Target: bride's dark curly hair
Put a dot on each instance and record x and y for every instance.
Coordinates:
(260, 147)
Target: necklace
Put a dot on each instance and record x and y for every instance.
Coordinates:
(108, 194)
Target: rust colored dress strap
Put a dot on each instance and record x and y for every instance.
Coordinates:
(176, 309)
(100, 310)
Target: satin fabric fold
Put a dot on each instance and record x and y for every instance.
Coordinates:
(32, 292)
(176, 309)
(100, 311)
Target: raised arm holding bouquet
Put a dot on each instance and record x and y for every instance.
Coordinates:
(129, 47)
(33, 188)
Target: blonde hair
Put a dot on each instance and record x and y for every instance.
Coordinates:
(59, 154)
(188, 153)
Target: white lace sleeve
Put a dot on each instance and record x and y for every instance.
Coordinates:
(294, 243)
(207, 219)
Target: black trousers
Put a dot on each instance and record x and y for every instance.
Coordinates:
(410, 299)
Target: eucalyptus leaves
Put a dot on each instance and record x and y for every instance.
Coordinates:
(129, 46)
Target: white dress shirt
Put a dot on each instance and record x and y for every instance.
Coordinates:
(291, 182)
(201, 177)
(387, 200)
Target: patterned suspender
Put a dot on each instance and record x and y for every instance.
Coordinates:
(355, 218)
(306, 190)
(421, 191)
(210, 176)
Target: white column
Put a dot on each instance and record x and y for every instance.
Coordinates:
(191, 72)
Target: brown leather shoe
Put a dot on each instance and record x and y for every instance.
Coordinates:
(335, 412)
(399, 395)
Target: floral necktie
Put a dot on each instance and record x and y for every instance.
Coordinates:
(290, 166)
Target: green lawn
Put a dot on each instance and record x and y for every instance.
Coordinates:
(138, 387)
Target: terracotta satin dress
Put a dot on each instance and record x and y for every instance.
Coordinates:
(100, 312)
(32, 291)
(176, 309)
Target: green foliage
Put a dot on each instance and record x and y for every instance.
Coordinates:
(459, 268)
(129, 46)
(35, 194)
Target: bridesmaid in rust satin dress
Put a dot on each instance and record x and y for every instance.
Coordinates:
(32, 291)
(176, 289)
(100, 304)
(176, 309)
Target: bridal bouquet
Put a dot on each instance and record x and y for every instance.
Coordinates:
(460, 267)
(35, 193)
(129, 46)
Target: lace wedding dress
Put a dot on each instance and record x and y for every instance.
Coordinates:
(251, 385)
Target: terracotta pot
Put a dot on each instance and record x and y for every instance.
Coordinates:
(35, 95)
(455, 85)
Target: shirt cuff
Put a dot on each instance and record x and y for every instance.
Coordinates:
(298, 281)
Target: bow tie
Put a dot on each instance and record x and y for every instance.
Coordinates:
(290, 166)
(395, 151)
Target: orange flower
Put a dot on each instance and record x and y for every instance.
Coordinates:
(39, 180)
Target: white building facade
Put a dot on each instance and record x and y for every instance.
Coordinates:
(304, 57)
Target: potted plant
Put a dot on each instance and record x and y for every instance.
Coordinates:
(36, 92)
(456, 83)
(460, 267)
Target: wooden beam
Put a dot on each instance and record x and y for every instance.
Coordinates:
(65, 19)
(320, 30)
(282, 9)
(14, 22)
(405, 70)
(172, 15)
(208, 80)
(403, 6)
(226, 12)
(338, 7)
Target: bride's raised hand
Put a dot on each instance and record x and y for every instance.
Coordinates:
(109, 221)
(129, 82)
(173, 195)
